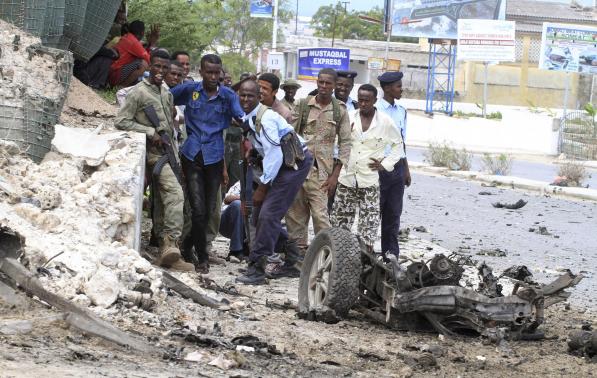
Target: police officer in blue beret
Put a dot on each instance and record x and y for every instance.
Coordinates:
(391, 184)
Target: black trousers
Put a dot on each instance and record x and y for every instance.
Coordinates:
(203, 182)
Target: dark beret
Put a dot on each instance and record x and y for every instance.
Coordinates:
(390, 77)
(347, 74)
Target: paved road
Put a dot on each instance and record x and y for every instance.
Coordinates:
(457, 217)
(520, 168)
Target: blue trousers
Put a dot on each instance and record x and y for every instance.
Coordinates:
(391, 191)
(277, 201)
(231, 226)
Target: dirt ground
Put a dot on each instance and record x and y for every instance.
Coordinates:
(289, 346)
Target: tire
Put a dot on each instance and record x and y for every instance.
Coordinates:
(329, 283)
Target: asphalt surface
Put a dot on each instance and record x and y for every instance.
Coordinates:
(531, 170)
(457, 217)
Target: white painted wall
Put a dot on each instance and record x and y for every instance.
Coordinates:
(519, 131)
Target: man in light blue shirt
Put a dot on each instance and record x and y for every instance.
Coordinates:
(392, 183)
(278, 185)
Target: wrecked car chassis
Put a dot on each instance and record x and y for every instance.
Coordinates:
(338, 274)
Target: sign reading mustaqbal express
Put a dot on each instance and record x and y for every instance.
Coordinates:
(311, 61)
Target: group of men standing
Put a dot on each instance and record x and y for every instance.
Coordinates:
(351, 149)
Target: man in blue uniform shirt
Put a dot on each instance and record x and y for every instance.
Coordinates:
(209, 108)
(391, 183)
(278, 185)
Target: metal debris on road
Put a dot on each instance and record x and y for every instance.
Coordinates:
(510, 206)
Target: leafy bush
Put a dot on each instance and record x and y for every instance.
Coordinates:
(109, 94)
(573, 173)
(443, 155)
(494, 115)
(497, 164)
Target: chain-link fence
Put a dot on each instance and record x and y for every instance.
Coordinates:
(29, 121)
(80, 26)
(578, 136)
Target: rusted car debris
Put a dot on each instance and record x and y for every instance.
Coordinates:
(338, 274)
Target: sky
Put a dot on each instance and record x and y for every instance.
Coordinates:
(309, 7)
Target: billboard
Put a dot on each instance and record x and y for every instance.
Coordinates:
(311, 60)
(569, 48)
(486, 40)
(438, 18)
(261, 8)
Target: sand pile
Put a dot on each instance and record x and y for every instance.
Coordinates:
(85, 101)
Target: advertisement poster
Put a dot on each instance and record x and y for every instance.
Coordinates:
(486, 40)
(570, 48)
(438, 18)
(310, 61)
(262, 8)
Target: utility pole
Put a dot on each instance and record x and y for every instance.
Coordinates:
(345, 14)
(390, 27)
(275, 28)
(296, 19)
(334, 27)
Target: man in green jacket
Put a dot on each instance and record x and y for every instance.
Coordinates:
(167, 191)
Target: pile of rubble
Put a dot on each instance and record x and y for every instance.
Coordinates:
(79, 214)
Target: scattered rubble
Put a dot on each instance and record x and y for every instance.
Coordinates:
(511, 206)
(583, 343)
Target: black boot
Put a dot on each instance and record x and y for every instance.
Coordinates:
(188, 252)
(255, 274)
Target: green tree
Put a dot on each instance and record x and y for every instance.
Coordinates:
(348, 25)
(220, 25)
(184, 25)
(243, 34)
(236, 64)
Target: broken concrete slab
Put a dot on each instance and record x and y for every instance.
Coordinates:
(83, 143)
(87, 214)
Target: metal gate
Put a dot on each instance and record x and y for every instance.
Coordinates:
(578, 135)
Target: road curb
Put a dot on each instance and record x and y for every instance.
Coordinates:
(509, 181)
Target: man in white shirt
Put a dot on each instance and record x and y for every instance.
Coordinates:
(358, 184)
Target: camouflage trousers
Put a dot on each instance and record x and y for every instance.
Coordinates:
(168, 201)
(366, 200)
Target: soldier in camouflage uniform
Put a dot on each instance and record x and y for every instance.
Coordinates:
(358, 185)
(320, 129)
(169, 192)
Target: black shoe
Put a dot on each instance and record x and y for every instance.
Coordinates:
(188, 253)
(283, 270)
(255, 274)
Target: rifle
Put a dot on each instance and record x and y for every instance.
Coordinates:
(246, 185)
(170, 156)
